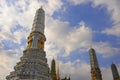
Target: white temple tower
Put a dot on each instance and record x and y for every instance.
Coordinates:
(33, 64)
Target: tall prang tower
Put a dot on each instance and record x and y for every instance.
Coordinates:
(114, 72)
(53, 69)
(33, 64)
(55, 74)
(95, 70)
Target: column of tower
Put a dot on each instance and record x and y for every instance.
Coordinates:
(95, 70)
(33, 64)
(114, 72)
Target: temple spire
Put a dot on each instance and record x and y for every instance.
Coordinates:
(53, 69)
(95, 70)
(114, 72)
(93, 58)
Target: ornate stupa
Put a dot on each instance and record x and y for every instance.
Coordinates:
(33, 64)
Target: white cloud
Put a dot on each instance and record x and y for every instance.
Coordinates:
(53, 5)
(106, 73)
(105, 49)
(76, 72)
(113, 31)
(20, 34)
(16, 36)
(113, 8)
(67, 38)
(8, 58)
(77, 2)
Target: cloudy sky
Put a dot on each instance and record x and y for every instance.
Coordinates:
(71, 27)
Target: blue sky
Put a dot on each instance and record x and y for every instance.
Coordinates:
(71, 27)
